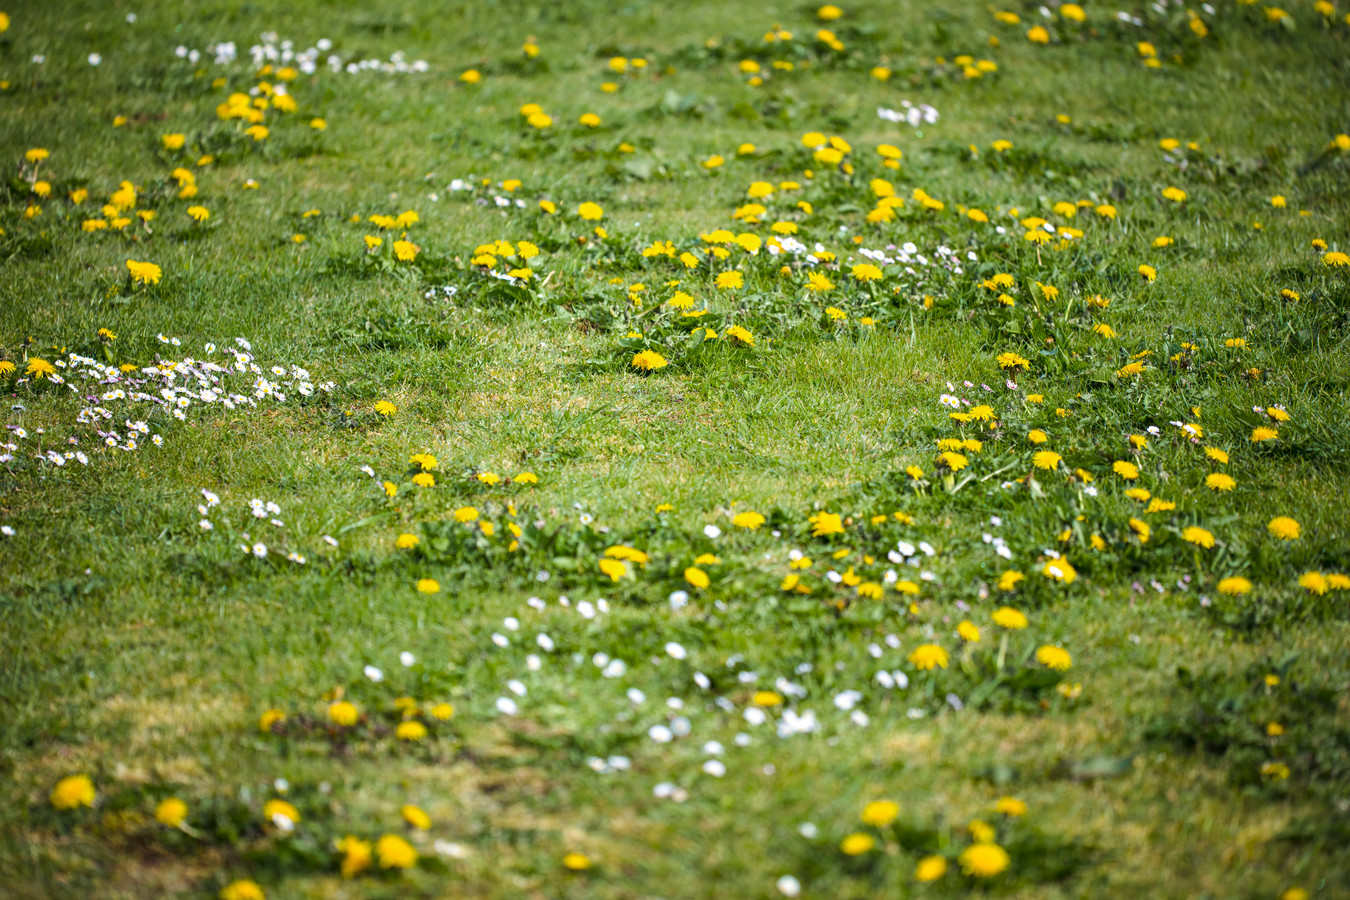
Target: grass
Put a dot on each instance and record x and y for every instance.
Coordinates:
(141, 650)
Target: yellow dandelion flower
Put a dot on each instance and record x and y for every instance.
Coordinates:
(72, 792)
(343, 713)
(357, 856)
(649, 361)
(243, 889)
(1198, 536)
(928, 656)
(171, 812)
(930, 868)
(866, 272)
(880, 813)
(983, 860)
(857, 844)
(1009, 618)
(1314, 582)
(748, 520)
(1060, 570)
(144, 272)
(1127, 470)
(1046, 459)
(275, 808)
(394, 852)
(696, 577)
(1284, 528)
(824, 524)
(410, 731)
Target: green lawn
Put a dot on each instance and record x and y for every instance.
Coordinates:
(591, 450)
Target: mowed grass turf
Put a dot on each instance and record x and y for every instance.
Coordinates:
(617, 644)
